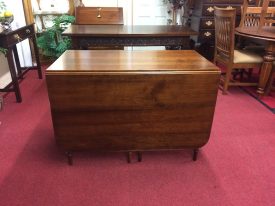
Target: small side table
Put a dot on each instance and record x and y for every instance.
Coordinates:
(9, 39)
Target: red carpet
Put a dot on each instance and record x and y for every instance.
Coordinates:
(268, 101)
(235, 168)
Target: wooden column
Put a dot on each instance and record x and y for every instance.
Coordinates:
(28, 11)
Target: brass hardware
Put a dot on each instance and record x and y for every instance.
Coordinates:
(28, 31)
(207, 34)
(209, 23)
(17, 37)
(98, 13)
(210, 9)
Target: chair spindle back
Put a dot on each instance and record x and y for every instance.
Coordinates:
(224, 33)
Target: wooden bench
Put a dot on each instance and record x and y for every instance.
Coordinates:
(132, 100)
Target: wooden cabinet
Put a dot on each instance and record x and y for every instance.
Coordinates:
(202, 21)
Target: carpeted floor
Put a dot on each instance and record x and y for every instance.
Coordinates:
(268, 101)
(235, 168)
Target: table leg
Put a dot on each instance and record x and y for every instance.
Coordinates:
(266, 67)
(36, 52)
(13, 73)
(195, 154)
(129, 157)
(139, 154)
(75, 44)
(17, 62)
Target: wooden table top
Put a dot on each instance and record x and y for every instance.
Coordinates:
(266, 33)
(123, 30)
(117, 61)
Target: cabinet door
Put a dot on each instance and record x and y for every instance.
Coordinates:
(149, 12)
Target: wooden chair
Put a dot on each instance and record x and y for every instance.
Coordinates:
(251, 18)
(99, 15)
(226, 55)
(248, 16)
(265, 18)
(263, 15)
(253, 15)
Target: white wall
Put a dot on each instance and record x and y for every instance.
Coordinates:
(137, 12)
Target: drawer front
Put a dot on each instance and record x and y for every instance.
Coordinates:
(207, 23)
(223, 1)
(20, 35)
(206, 36)
(208, 9)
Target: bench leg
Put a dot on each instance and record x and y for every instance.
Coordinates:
(70, 157)
(139, 155)
(129, 157)
(195, 154)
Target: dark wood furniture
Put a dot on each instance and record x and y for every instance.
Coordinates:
(84, 36)
(99, 15)
(270, 85)
(132, 100)
(1, 103)
(262, 14)
(267, 19)
(225, 52)
(9, 39)
(266, 33)
(202, 21)
(251, 15)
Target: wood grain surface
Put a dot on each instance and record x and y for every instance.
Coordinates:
(126, 30)
(132, 101)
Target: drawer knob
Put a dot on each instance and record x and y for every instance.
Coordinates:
(207, 34)
(28, 31)
(210, 9)
(98, 13)
(17, 37)
(209, 23)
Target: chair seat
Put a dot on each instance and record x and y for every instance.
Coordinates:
(242, 57)
(257, 49)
